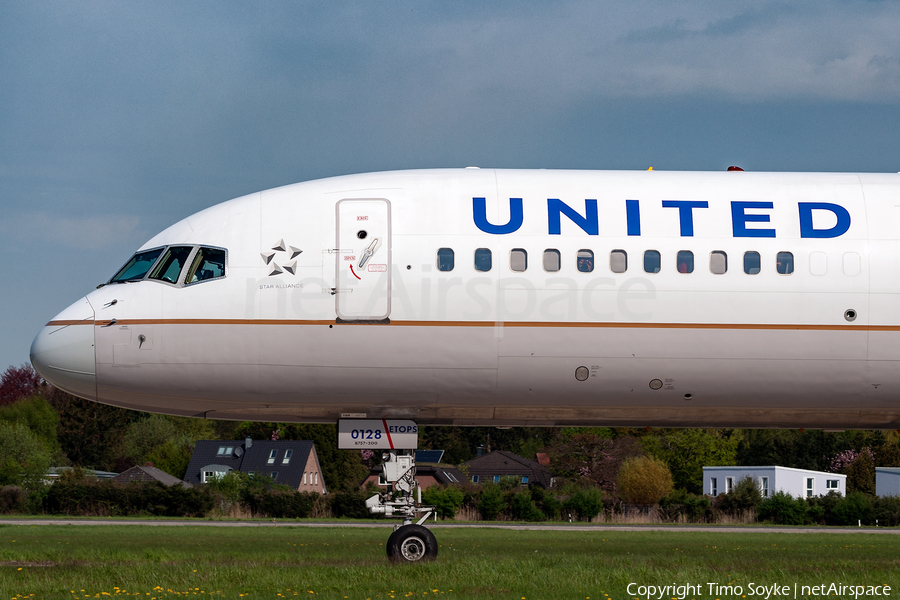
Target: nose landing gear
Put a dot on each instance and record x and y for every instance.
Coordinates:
(401, 496)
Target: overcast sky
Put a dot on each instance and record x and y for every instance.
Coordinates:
(119, 118)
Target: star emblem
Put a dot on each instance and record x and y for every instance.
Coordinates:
(278, 253)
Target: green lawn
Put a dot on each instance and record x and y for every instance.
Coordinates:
(66, 561)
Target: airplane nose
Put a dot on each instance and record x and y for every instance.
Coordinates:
(63, 352)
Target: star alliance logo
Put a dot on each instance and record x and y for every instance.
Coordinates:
(278, 253)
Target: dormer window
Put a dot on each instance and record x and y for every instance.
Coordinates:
(272, 455)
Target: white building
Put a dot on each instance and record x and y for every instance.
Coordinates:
(887, 481)
(796, 482)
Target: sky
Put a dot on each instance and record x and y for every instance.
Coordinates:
(120, 118)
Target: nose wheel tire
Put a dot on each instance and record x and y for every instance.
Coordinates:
(412, 543)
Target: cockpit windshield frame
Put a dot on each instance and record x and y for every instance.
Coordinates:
(129, 264)
(189, 264)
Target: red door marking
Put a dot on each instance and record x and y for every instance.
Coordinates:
(388, 432)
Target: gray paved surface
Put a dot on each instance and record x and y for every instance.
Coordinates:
(441, 525)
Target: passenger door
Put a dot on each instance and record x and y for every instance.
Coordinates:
(363, 260)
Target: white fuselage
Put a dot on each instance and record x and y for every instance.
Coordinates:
(341, 297)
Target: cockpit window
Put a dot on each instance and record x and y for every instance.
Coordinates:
(170, 265)
(137, 267)
(208, 263)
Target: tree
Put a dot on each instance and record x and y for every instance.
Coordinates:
(586, 457)
(644, 480)
(687, 451)
(147, 435)
(90, 433)
(744, 496)
(491, 502)
(35, 413)
(19, 382)
(24, 459)
(861, 474)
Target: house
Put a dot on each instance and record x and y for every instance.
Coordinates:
(801, 483)
(288, 462)
(54, 473)
(148, 473)
(887, 481)
(493, 466)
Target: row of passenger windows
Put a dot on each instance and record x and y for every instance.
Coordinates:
(198, 263)
(618, 261)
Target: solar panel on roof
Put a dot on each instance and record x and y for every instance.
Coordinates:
(429, 456)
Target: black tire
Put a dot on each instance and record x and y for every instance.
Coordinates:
(412, 543)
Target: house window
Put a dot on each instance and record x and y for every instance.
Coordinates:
(304, 477)
(474, 478)
(208, 475)
(764, 486)
(718, 262)
(518, 259)
(251, 473)
(445, 259)
(496, 479)
(483, 260)
(524, 480)
(729, 484)
(552, 260)
(274, 475)
(272, 454)
(317, 479)
(810, 487)
(685, 261)
(221, 451)
(287, 456)
(618, 261)
(713, 487)
(831, 484)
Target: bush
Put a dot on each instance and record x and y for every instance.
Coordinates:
(283, 504)
(586, 503)
(886, 511)
(490, 503)
(644, 480)
(24, 459)
(784, 509)
(546, 502)
(13, 499)
(744, 496)
(854, 508)
(350, 504)
(681, 503)
(105, 498)
(446, 500)
(522, 508)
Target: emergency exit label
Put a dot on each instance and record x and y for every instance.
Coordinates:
(377, 434)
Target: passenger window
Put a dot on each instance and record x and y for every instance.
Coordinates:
(445, 259)
(170, 264)
(551, 260)
(852, 265)
(483, 259)
(137, 266)
(208, 263)
(518, 259)
(784, 263)
(751, 263)
(651, 261)
(618, 261)
(685, 261)
(718, 262)
(818, 263)
(585, 260)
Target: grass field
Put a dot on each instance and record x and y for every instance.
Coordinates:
(66, 561)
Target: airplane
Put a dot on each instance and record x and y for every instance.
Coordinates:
(508, 298)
